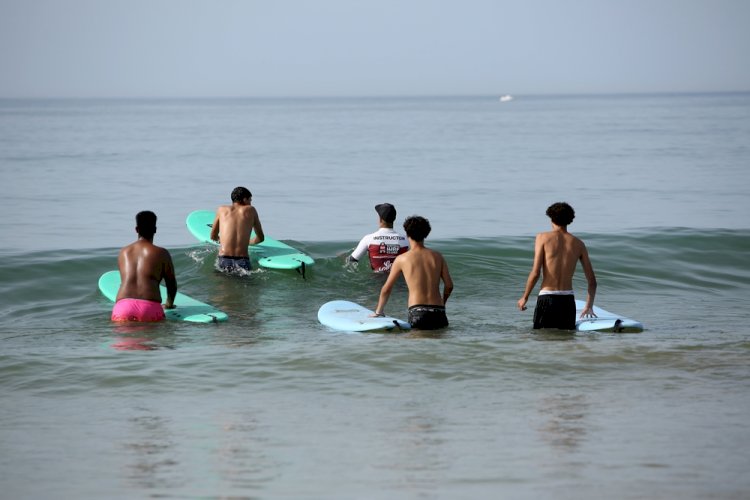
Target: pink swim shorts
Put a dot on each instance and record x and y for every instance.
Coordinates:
(137, 310)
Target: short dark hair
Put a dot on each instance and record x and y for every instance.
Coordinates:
(240, 193)
(145, 223)
(561, 213)
(417, 228)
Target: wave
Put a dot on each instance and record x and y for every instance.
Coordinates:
(60, 286)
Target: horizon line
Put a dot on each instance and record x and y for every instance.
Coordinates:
(377, 96)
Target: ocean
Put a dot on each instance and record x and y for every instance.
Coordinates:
(271, 404)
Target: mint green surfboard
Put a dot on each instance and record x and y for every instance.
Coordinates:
(272, 253)
(188, 309)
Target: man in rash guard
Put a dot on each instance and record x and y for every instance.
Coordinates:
(384, 245)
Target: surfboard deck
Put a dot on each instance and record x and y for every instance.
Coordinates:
(347, 316)
(188, 309)
(271, 253)
(605, 321)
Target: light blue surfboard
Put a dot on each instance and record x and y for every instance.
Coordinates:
(605, 321)
(187, 308)
(271, 253)
(348, 316)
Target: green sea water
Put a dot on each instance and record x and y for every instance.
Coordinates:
(271, 404)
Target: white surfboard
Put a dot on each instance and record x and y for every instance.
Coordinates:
(347, 316)
(605, 321)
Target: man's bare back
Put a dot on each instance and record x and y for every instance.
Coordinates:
(559, 252)
(142, 267)
(423, 270)
(233, 227)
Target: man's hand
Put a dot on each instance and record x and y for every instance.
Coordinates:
(588, 312)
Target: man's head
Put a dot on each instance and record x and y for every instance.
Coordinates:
(240, 193)
(417, 228)
(145, 224)
(387, 212)
(561, 213)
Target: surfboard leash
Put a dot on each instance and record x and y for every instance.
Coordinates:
(301, 269)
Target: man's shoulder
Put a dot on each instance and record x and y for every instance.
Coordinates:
(243, 210)
(371, 235)
(435, 253)
(543, 237)
(161, 250)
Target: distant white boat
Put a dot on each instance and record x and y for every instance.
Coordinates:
(506, 98)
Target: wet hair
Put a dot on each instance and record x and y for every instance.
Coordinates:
(561, 213)
(145, 223)
(240, 193)
(417, 228)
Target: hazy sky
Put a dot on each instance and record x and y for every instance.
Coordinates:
(183, 48)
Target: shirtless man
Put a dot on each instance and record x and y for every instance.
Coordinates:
(556, 254)
(142, 267)
(232, 229)
(423, 269)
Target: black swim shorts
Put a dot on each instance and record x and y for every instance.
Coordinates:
(555, 311)
(425, 317)
(229, 263)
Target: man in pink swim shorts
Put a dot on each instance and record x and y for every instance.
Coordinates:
(142, 267)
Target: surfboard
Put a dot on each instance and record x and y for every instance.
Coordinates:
(605, 321)
(348, 316)
(188, 309)
(271, 253)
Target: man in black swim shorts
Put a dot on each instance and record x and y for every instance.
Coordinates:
(556, 254)
(423, 270)
(235, 227)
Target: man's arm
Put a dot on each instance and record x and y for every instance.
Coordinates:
(536, 270)
(170, 280)
(588, 270)
(360, 250)
(258, 228)
(445, 275)
(121, 263)
(385, 292)
(215, 228)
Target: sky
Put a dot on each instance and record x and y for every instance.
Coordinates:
(283, 48)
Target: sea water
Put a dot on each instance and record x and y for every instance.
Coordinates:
(273, 405)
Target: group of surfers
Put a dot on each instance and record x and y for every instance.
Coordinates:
(143, 265)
